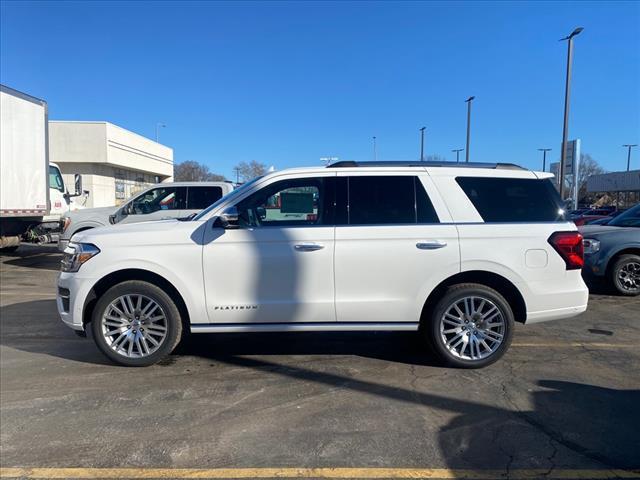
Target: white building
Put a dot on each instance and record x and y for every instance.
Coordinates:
(114, 163)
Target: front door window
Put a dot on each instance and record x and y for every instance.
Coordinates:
(288, 203)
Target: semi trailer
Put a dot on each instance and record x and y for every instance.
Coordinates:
(33, 195)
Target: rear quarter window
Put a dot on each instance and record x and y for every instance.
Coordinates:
(513, 199)
(202, 197)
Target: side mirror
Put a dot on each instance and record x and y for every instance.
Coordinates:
(78, 184)
(261, 212)
(229, 218)
(112, 219)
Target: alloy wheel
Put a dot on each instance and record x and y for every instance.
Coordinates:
(134, 326)
(629, 276)
(472, 328)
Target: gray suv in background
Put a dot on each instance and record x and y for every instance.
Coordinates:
(159, 202)
(612, 252)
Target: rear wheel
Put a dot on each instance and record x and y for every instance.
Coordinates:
(136, 324)
(625, 275)
(471, 326)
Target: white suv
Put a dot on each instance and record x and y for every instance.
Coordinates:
(458, 252)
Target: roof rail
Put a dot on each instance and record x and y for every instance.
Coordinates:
(417, 163)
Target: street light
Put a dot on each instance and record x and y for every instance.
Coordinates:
(544, 157)
(158, 127)
(422, 143)
(629, 147)
(567, 94)
(468, 102)
(375, 152)
(458, 150)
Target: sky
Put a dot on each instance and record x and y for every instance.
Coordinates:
(286, 83)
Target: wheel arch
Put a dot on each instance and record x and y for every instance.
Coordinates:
(632, 250)
(122, 275)
(493, 280)
(83, 227)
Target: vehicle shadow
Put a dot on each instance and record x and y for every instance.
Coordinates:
(45, 257)
(398, 347)
(47, 335)
(585, 419)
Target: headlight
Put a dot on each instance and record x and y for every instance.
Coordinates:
(591, 246)
(76, 254)
(64, 223)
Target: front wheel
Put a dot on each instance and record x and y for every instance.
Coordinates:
(136, 324)
(470, 327)
(626, 275)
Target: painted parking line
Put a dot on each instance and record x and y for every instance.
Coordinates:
(572, 345)
(355, 473)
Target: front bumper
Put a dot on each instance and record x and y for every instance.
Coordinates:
(595, 265)
(72, 295)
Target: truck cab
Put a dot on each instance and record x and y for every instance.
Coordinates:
(162, 201)
(59, 197)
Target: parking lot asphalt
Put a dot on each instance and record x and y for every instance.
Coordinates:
(564, 399)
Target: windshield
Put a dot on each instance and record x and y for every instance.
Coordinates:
(630, 218)
(228, 196)
(55, 179)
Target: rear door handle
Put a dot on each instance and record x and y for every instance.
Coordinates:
(308, 247)
(431, 245)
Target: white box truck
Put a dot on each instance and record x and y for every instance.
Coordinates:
(32, 192)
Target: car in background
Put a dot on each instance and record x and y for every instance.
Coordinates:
(163, 201)
(604, 220)
(593, 214)
(612, 252)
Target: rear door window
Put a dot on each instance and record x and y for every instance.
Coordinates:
(513, 199)
(201, 197)
(388, 200)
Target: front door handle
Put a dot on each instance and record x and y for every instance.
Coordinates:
(308, 247)
(431, 245)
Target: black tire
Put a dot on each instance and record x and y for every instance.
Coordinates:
(9, 250)
(432, 331)
(620, 271)
(172, 322)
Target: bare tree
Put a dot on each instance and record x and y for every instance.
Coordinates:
(248, 171)
(588, 166)
(435, 158)
(191, 171)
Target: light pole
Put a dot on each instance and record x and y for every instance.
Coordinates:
(458, 150)
(158, 127)
(468, 102)
(375, 152)
(567, 94)
(629, 146)
(422, 143)
(544, 157)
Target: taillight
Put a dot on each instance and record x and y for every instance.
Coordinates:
(569, 246)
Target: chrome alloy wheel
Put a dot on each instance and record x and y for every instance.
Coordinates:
(472, 328)
(134, 326)
(629, 276)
